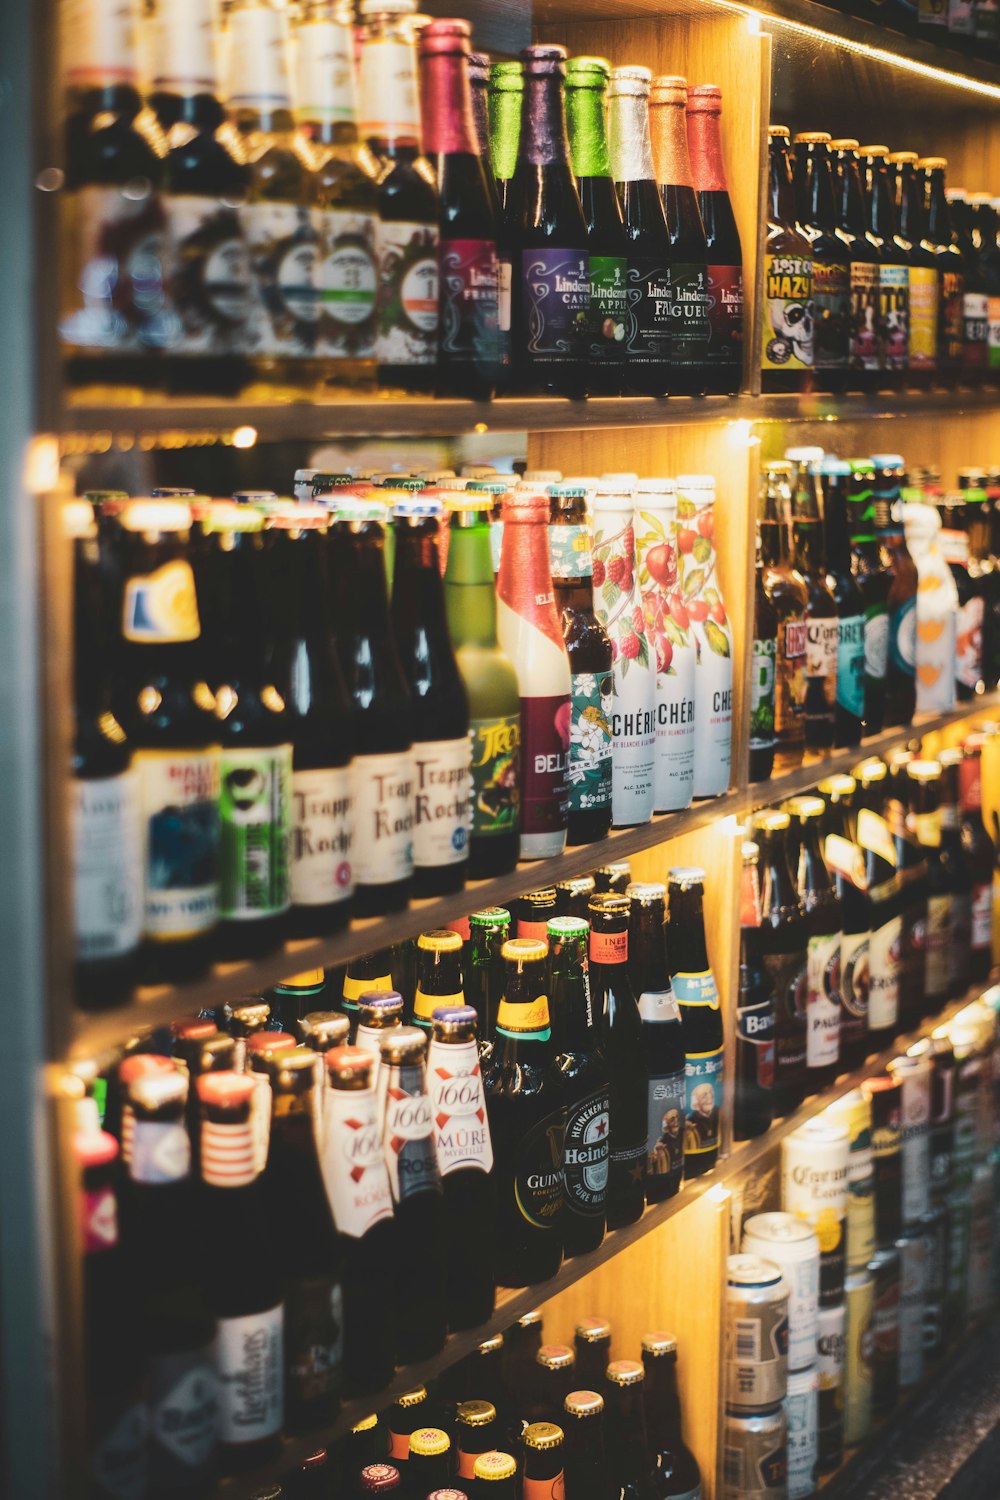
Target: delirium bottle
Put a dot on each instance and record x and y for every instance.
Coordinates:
(697, 997)
(724, 268)
(688, 250)
(787, 331)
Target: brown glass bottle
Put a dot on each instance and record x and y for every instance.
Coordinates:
(782, 940)
(831, 265)
(809, 558)
(900, 683)
(866, 352)
(894, 264)
(787, 324)
(939, 239)
(786, 591)
(724, 356)
(824, 926)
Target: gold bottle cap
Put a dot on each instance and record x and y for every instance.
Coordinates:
(776, 130)
(844, 143)
(805, 807)
(525, 950)
(659, 1344)
(475, 1413)
(898, 158)
(811, 137)
(932, 163)
(494, 1465)
(366, 1424)
(412, 1398)
(535, 1316)
(442, 940)
(555, 1356)
(542, 1435)
(772, 821)
(872, 769)
(625, 1372)
(923, 770)
(490, 1346)
(874, 150)
(584, 1404)
(838, 786)
(592, 1330)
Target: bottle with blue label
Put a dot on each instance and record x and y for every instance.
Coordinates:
(663, 1039)
(697, 997)
(900, 681)
(833, 477)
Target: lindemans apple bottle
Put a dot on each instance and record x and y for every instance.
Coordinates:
(787, 323)
(697, 997)
(663, 1038)
(624, 1045)
(724, 355)
(550, 280)
(688, 249)
(831, 267)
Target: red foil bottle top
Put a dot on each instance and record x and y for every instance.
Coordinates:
(708, 167)
(518, 509)
(445, 94)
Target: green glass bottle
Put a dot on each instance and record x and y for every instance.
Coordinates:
(492, 688)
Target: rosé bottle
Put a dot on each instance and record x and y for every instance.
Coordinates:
(700, 588)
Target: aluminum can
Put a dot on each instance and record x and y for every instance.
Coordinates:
(859, 1296)
(802, 1419)
(756, 1333)
(854, 1112)
(884, 1266)
(831, 1350)
(793, 1246)
(913, 1256)
(754, 1461)
(914, 1074)
(814, 1187)
(935, 1227)
(887, 1156)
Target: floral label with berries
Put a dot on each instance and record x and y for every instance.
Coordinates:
(590, 742)
(700, 589)
(668, 627)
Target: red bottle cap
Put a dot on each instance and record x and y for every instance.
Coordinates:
(225, 1088)
(378, 1479)
(142, 1063)
(193, 1028)
(95, 1148)
(265, 1042)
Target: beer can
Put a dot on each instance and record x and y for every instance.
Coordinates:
(756, 1333)
(802, 1423)
(794, 1248)
(935, 1227)
(884, 1266)
(959, 1238)
(914, 1074)
(814, 1161)
(938, 1052)
(887, 1156)
(854, 1112)
(859, 1297)
(830, 1355)
(913, 1251)
(980, 1284)
(754, 1462)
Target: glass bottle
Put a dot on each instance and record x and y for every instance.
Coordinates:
(831, 267)
(676, 1472)
(911, 865)
(488, 931)
(701, 585)
(724, 268)
(873, 581)
(364, 973)
(688, 254)
(979, 851)
(809, 560)
(478, 68)
(975, 302)
(866, 346)
(824, 933)
(924, 277)
(955, 547)
(543, 1458)
(586, 1458)
(697, 997)
(583, 1067)
(534, 912)
(439, 974)
(785, 590)
(615, 1002)
(846, 865)
(787, 324)
(833, 475)
(782, 947)
(753, 1099)
(901, 603)
(939, 239)
(894, 263)
(663, 1039)
(885, 946)
(629, 1469)
(924, 825)
(504, 107)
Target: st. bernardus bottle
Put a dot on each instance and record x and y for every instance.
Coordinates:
(583, 1066)
(697, 997)
(753, 1101)
(663, 1039)
(688, 251)
(624, 1044)
(724, 354)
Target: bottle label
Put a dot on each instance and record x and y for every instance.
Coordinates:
(407, 299)
(555, 286)
(409, 1135)
(884, 956)
(832, 314)
(545, 727)
(823, 1002)
(353, 1164)
(822, 641)
(544, 1489)
(505, 277)
(424, 1005)
(687, 290)
(284, 254)
(666, 1103)
(569, 552)
(161, 608)
(100, 43)
(787, 322)
(923, 317)
(469, 313)
(530, 1021)
(348, 280)
(538, 1172)
(586, 1154)
(249, 1366)
(112, 279)
(952, 309)
(969, 643)
(894, 303)
(183, 1417)
(322, 819)
(608, 947)
(388, 102)
(982, 916)
(762, 685)
(702, 1097)
(495, 793)
(119, 1462)
(179, 802)
(207, 277)
(314, 1338)
(107, 866)
(851, 665)
(659, 1008)
(790, 687)
(959, 941)
(609, 313)
(161, 1151)
(903, 637)
(255, 812)
(854, 974)
(649, 329)
(441, 802)
(694, 989)
(865, 345)
(936, 945)
(355, 988)
(876, 642)
(383, 818)
(976, 327)
(725, 315)
(461, 1128)
(755, 1028)
(590, 741)
(993, 333)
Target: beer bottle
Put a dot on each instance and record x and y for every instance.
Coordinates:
(521, 1343)
(406, 235)
(975, 303)
(534, 911)
(308, 1246)
(924, 277)
(586, 1459)
(628, 1454)
(323, 1029)
(763, 673)
(590, 661)
(291, 998)
(429, 1464)
(166, 709)
(697, 996)
(361, 1201)
(831, 267)
(592, 1342)
(491, 689)
(724, 270)
(531, 635)
(932, 21)
(364, 973)
(382, 769)
(239, 1239)
(495, 1477)
(787, 350)
(527, 1115)
(885, 902)
(753, 1100)
(113, 214)
(923, 821)
(468, 334)
(201, 1049)
(488, 931)
(440, 721)
(846, 865)
(364, 1447)
(939, 239)
(688, 279)
(832, 476)
(782, 943)
(543, 1460)
(953, 540)
(615, 1002)
(407, 1415)
(379, 1011)
(979, 851)
(911, 865)
(866, 348)
(873, 581)
(650, 355)
(418, 1200)
(901, 604)
(439, 974)
(206, 270)
(824, 932)
(255, 803)
(677, 1475)
(573, 896)
(583, 1065)
(504, 108)
(550, 283)
(554, 1378)
(663, 1039)
(894, 263)
(617, 606)
(615, 877)
(958, 875)
(786, 592)
(586, 90)
(809, 560)
(276, 216)
(476, 1432)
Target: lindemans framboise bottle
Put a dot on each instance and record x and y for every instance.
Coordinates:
(724, 355)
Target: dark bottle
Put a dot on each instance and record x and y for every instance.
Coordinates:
(378, 1012)
(809, 560)
(615, 1002)
(488, 931)
(440, 719)
(697, 996)
(663, 1039)
(782, 949)
(166, 709)
(629, 1468)
(586, 90)
(550, 280)
(724, 268)
(873, 580)
(975, 301)
(534, 911)
(911, 866)
(385, 711)
(495, 1477)
(894, 263)
(429, 1465)
(583, 1066)
(417, 1196)
(973, 629)
(554, 1379)
(469, 332)
(206, 269)
(939, 239)
(201, 1049)
(528, 1121)
(787, 324)
(786, 592)
(884, 902)
(824, 930)
(590, 664)
(655, 346)
(324, 1029)
(954, 544)
(846, 864)
(831, 267)
(308, 1245)
(688, 253)
(763, 675)
(924, 273)
(478, 68)
(476, 1431)
(923, 821)
(543, 1459)
(573, 896)
(521, 1344)
(407, 1415)
(406, 234)
(866, 347)
(901, 603)
(239, 1242)
(586, 1457)
(294, 997)
(753, 1099)
(465, 1159)
(592, 1342)
(676, 1472)
(366, 972)
(979, 851)
(833, 476)
(439, 974)
(255, 801)
(614, 877)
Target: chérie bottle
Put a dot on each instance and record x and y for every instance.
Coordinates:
(700, 587)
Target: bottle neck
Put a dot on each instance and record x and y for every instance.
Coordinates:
(778, 900)
(505, 107)
(838, 552)
(850, 204)
(708, 167)
(543, 122)
(648, 947)
(325, 81)
(469, 588)
(668, 128)
(389, 102)
(588, 141)
(369, 614)
(819, 190)
(807, 536)
(781, 196)
(774, 541)
(881, 218)
(446, 105)
(629, 142)
(524, 583)
(939, 225)
(628, 1431)
(664, 1405)
(687, 932)
(573, 1003)
(258, 65)
(910, 198)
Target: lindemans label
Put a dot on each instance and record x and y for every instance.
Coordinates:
(724, 301)
(649, 326)
(555, 286)
(608, 308)
(469, 290)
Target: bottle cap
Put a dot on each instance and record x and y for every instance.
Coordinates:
(491, 1345)
(445, 36)
(402, 1044)
(153, 516)
(633, 81)
(774, 820)
(778, 130)
(380, 1003)
(844, 143)
(584, 71)
(490, 917)
(412, 1398)
(898, 158)
(229, 515)
(832, 466)
(622, 1372)
(608, 904)
(378, 1479)
(646, 892)
(544, 58)
(582, 885)
(494, 1465)
(225, 1090)
(293, 516)
(366, 1424)
(441, 940)
(584, 1404)
(704, 98)
(932, 163)
(525, 951)
(446, 1019)
(656, 487)
(749, 853)
(874, 151)
(542, 1436)
(592, 1330)
(447, 1494)
(869, 770)
(923, 770)
(804, 808)
(456, 504)
(811, 137)
(263, 1045)
(78, 520)
(568, 929)
(684, 877)
(387, 7)
(94, 1148)
(153, 1090)
(475, 1413)
(507, 77)
(429, 1442)
(888, 461)
(328, 1026)
(345, 1063)
(522, 509)
(555, 1356)
(142, 1063)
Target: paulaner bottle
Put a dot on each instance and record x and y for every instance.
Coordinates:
(688, 251)
(724, 270)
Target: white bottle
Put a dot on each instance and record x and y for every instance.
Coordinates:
(668, 628)
(937, 609)
(701, 592)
